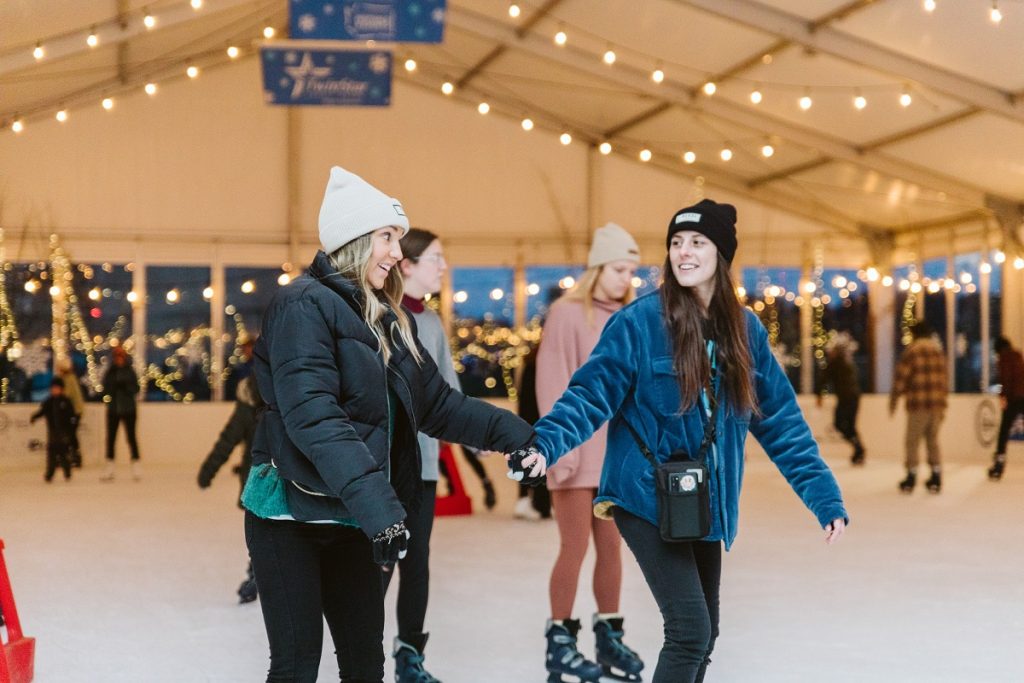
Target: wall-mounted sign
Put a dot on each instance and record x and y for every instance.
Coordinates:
(403, 21)
(294, 75)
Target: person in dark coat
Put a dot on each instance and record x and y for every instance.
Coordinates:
(336, 464)
(240, 429)
(1011, 396)
(841, 378)
(60, 418)
(120, 387)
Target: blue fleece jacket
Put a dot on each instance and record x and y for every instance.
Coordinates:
(630, 377)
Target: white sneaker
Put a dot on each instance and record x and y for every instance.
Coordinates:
(136, 470)
(108, 472)
(524, 510)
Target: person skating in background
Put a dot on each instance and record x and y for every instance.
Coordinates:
(60, 417)
(533, 502)
(120, 388)
(661, 370)
(1011, 396)
(841, 378)
(239, 429)
(921, 377)
(73, 390)
(570, 332)
(336, 467)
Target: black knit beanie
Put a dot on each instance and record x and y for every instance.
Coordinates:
(715, 221)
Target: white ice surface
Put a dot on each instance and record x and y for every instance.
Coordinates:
(134, 581)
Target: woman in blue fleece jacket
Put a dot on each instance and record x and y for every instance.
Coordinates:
(650, 371)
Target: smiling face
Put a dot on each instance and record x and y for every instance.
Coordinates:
(694, 260)
(615, 280)
(423, 273)
(385, 254)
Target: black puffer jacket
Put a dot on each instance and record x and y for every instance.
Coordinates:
(319, 369)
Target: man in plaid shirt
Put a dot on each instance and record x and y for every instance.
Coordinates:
(921, 377)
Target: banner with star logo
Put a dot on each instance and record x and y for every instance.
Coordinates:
(294, 75)
(398, 21)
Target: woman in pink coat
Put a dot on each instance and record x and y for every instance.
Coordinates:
(570, 333)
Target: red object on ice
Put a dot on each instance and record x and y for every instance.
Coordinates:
(17, 662)
(457, 502)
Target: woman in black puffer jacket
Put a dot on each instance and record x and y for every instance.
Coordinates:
(347, 387)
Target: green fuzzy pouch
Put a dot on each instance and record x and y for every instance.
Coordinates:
(264, 494)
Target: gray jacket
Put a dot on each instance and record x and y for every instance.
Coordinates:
(433, 338)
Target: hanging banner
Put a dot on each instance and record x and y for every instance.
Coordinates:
(401, 21)
(295, 75)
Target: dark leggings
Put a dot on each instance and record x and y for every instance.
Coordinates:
(1014, 407)
(414, 585)
(129, 427)
(846, 419)
(684, 579)
(309, 572)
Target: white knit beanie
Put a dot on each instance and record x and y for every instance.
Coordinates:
(353, 207)
(612, 243)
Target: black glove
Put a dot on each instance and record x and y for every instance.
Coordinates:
(205, 478)
(532, 472)
(390, 545)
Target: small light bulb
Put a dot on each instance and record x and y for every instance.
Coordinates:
(994, 14)
(410, 64)
(565, 138)
(806, 102)
(93, 40)
(172, 296)
(17, 126)
(561, 38)
(533, 289)
(38, 52)
(283, 279)
(108, 103)
(514, 11)
(929, 5)
(483, 107)
(54, 290)
(447, 88)
(248, 287)
(657, 75)
(860, 102)
(756, 96)
(268, 32)
(149, 21)
(233, 52)
(527, 124)
(497, 294)
(609, 57)
(94, 294)
(208, 293)
(689, 157)
(710, 88)
(62, 115)
(767, 151)
(197, 4)
(726, 154)
(999, 257)
(605, 148)
(192, 71)
(906, 99)
(645, 155)
(986, 267)
(150, 89)
(132, 297)
(1018, 263)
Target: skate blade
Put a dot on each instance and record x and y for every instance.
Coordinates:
(611, 674)
(555, 677)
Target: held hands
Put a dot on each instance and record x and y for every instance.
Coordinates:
(834, 530)
(390, 545)
(523, 458)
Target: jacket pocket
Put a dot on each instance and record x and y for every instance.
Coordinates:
(666, 386)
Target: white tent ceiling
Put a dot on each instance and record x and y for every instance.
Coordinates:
(953, 160)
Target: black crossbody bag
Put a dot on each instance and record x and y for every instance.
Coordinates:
(682, 487)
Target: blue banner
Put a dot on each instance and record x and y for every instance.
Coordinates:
(304, 76)
(403, 21)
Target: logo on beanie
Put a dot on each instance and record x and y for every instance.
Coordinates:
(398, 209)
(688, 218)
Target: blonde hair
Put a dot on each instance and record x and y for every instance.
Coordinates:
(583, 291)
(352, 261)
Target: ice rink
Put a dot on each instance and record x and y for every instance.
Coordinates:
(135, 581)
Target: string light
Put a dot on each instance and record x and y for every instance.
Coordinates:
(860, 101)
(208, 293)
(38, 52)
(561, 38)
(93, 40)
(994, 14)
(605, 148)
(18, 126)
(986, 267)
(756, 96)
(726, 154)
(483, 107)
(767, 151)
(233, 52)
(806, 102)
(527, 124)
(689, 157)
(514, 11)
(710, 88)
(108, 103)
(887, 280)
(905, 99)
(565, 138)
(150, 89)
(533, 289)
(657, 75)
(62, 115)
(283, 279)
(268, 32)
(410, 65)
(609, 56)
(645, 155)
(149, 21)
(460, 297)
(192, 71)
(929, 6)
(197, 4)
(497, 294)
(173, 296)
(1018, 263)
(447, 88)
(999, 257)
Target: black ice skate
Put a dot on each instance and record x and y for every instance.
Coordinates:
(907, 485)
(617, 661)
(247, 591)
(563, 659)
(858, 455)
(409, 660)
(934, 483)
(995, 473)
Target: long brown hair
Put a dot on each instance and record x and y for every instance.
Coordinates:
(684, 317)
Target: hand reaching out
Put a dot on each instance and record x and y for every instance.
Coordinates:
(523, 458)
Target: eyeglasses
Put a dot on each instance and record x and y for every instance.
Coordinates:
(436, 259)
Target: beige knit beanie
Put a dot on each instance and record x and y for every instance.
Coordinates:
(612, 243)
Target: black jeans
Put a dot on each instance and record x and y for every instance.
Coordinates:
(113, 419)
(308, 572)
(684, 579)
(1014, 408)
(846, 419)
(414, 585)
(58, 454)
